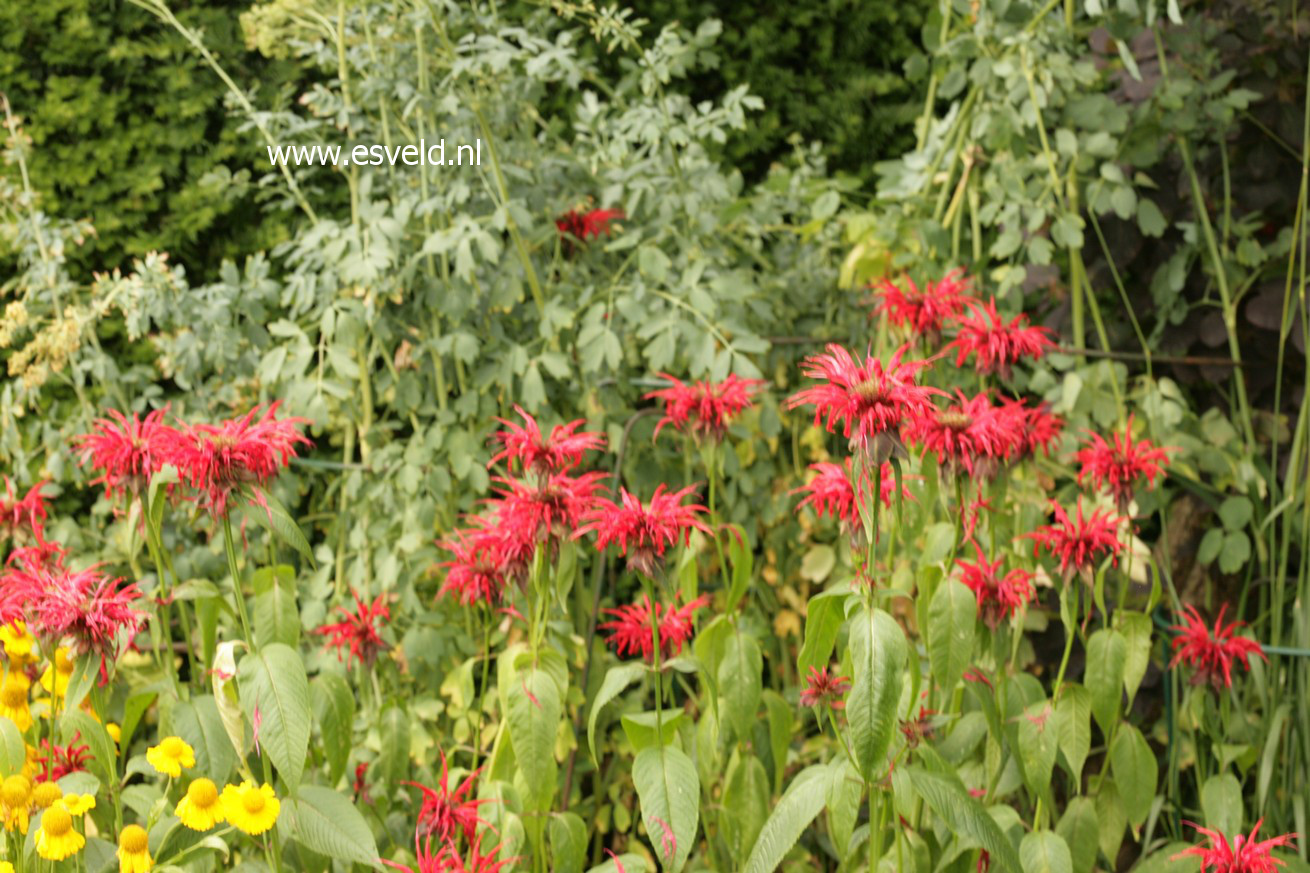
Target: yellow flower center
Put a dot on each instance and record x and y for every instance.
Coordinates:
(253, 802)
(45, 794)
(133, 839)
(203, 793)
(173, 747)
(56, 822)
(15, 790)
(13, 694)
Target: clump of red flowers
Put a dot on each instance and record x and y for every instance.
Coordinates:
(925, 312)
(971, 436)
(1000, 596)
(831, 492)
(531, 450)
(1079, 542)
(22, 517)
(486, 557)
(644, 531)
(633, 625)
(356, 638)
(1038, 428)
(1211, 653)
(1119, 464)
(867, 399)
(995, 343)
(823, 688)
(446, 814)
(581, 225)
(127, 451)
(54, 762)
(1243, 855)
(704, 409)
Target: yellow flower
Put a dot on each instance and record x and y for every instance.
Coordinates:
(56, 839)
(6, 867)
(18, 643)
(133, 850)
(15, 798)
(251, 808)
(46, 795)
(78, 804)
(170, 756)
(13, 700)
(56, 676)
(115, 732)
(200, 808)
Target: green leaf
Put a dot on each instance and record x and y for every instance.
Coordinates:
(104, 755)
(1221, 801)
(1045, 852)
(625, 863)
(645, 729)
(1150, 219)
(278, 521)
(1107, 652)
(1073, 716)
(745, 806)
(197, 721)
(393, 764)
(534, 714)
(1078, 827)
(568, 843)
(1236, 512)
(739, 677)
(952, 624)
(617, 678)
(1235, 552)
(780, 732)
(1135, 771)
(276, 616)
(963, 814)
(1165, 860)
(743, 565)
(669, 791)
(823, 620)
(878, 652)
(1211, 543)
(323, 821)
(334, 712)
(13, 751)
(1136, 629)
(937, 543)
(1038, 741)
(1110, 818)
(800, 804)
(818, 563)
(273, 681)
(845, 788)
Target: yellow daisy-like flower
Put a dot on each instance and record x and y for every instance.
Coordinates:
(6, 867)
(18, 643)
(57, 675)
(133, 850)
(78, 804)
(200, 809)
(15, 798)
(115, 732)
(171, 756)
(46, 795)
(13, 700)
(56, 839)
(251, 808)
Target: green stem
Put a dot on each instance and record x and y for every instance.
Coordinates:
(238, 595)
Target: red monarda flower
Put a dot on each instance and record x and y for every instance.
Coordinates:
(924, 312)
(554, 506)
(1080, 542)
(999, 596)
(1211, 654)
(126, 451)
(1116, 466)
(487, 557)
(824, 688)
(868, 400)
(633, 625)
(644, 531)
(449, 859)
(995, 343)
(1243, 855)
(56, 762)
(23, 515)
(832, 493)
(86, 606)
(357, 636)
(590, 224)
(219, 459)
(971, 435)
(704, 409)
(531, 450)
(1038, 427)
(446, 814)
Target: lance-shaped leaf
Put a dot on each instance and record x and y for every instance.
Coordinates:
(534, 714)
(964, 815)
(669, 791)
(800, 804)
(878, 651)
(617, 678)
(952, 621)
(1045, 852)
(1107, 654)
(273, 683)
(739, 682)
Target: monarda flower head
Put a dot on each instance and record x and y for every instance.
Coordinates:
(833, 492)
(554, 506)
(445, 814)
(1039, 429)
(1118, 465)
(824, 688)
(356, 637)
(704, 409)
(644, 531)
(633, 625)
(1080, 543)
(925, 312)
(217, 460)
(87, 607)
(868, 400)
(970, 435)
(1243, 855)
(526, 447)
(1211, 653)
(577, 225)
(486, 558)
(126, 451)
(22, 518)
(995, 343)
(999, 596)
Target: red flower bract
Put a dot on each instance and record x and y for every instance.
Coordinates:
(85, 606)
(56, 762)
(1116, 466)
(1078, 542)
(1211, 655)
(1243, 855)
(972, 435)
(831, 491)
(554, 506)
(632, 627)
(867, 399)
(1038, 428)
(591, 224)
(822, 687)
(923, 312)
(357, 636)
(999, 596)
(487, 557)
(21, 515)
(644, 531)
(996, 343)
(446, 814)
(250, 450)
(526, 446)
(704, 408)
(125, 450)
